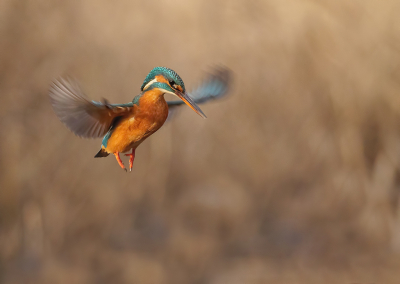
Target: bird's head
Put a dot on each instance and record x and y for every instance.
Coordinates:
(169, 82)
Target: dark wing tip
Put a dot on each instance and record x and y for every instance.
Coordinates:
(223, 73)
(225, 76)
(215, 86)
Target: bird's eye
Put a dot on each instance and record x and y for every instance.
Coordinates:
(173, 84)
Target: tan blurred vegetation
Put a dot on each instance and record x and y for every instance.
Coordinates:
(292, 179)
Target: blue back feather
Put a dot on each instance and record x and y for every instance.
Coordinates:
(110, 131)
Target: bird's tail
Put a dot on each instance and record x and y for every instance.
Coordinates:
(102, 153)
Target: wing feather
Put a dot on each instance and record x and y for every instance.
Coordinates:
(85, 118)
(215, 86)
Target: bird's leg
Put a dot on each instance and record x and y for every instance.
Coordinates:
(131, 158)
(116, 154)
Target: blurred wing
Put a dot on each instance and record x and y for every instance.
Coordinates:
(215, 86)
(85, 118)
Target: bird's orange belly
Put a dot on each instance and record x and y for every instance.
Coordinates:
(132, 131)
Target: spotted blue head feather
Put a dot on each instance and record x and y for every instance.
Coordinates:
(168, 74)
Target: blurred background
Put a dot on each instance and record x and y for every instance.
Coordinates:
(293, 178)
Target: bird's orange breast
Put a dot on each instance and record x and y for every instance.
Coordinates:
(146, 118)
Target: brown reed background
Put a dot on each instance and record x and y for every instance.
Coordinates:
(294, 178)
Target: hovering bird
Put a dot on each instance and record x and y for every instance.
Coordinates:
(126, 126)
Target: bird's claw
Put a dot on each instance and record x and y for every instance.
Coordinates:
(131, 158)
(116, 154)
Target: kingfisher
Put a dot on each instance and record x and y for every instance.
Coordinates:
(125, 126)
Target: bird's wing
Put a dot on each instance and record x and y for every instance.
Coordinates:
(215, 86)
(85, 118)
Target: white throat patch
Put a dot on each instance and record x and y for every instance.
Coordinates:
(153, 81)
(149, 83)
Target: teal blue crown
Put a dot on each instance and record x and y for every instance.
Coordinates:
(168, 74)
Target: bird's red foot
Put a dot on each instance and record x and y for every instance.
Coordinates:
(131, 158)
(116, 154)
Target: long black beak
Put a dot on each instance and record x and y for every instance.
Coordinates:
(184, 97)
